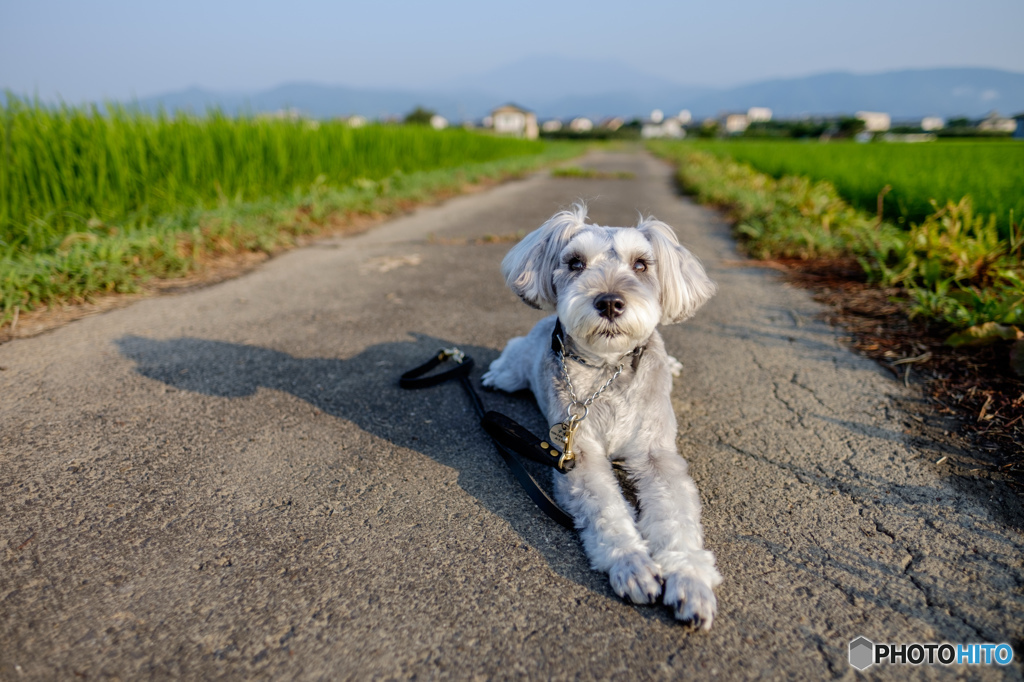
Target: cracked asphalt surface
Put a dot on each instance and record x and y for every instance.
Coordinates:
(228, 482)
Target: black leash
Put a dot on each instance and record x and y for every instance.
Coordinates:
(510, 438)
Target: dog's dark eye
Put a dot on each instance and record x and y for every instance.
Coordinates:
(640, 265)
(577, 265)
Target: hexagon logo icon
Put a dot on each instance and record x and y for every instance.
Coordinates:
(862, 653)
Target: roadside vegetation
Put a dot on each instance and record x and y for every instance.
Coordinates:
(94, 202)
(957, 263)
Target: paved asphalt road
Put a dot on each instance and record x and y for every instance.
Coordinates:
(228, 482)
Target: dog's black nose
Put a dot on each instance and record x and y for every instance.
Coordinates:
(610, 305)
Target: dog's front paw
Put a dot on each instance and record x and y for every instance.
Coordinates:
(494, 378)
(489, 378)
(674, 366)
(691, 599)
(636, 577)
(500, 377)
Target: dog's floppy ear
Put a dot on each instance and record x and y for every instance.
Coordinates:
(685, 286)
(529, 265)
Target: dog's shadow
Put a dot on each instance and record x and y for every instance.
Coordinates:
(438, 422)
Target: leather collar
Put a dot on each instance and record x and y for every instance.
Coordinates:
(558, 344)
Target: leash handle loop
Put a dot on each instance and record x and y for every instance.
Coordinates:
(414, 377)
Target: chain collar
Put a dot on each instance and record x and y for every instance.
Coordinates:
(578, 409)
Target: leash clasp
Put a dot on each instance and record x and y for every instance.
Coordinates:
(567, 461)
(454, 353)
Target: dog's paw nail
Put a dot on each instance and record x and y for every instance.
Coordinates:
(691, 600)
(635, 577)
(696, 622)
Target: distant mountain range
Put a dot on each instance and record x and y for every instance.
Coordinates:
(561, 87)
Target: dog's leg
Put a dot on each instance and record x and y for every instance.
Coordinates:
(670, 522)
(510, 371)
(591, 494)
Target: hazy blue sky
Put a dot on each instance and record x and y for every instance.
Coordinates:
(117, 48)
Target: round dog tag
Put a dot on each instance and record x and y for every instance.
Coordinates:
(558, 434)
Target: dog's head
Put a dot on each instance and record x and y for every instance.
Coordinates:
(611, 286)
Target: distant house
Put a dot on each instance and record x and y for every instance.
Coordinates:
(613, 123)
(998, 124)
(930, 123)
(736, 123)
(759, 114)
(356, 121)
(438, 122)
(514, 120)
(552, 125)
(875, 121)
(581, 124)
(659, 126)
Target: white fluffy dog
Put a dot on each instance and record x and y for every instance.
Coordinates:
(611, 287)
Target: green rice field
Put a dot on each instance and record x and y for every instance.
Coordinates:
(68, 168)
(95, 201)
(990, 172)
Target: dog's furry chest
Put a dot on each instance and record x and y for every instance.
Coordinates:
(620, 415)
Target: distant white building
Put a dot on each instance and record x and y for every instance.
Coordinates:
(438, 122)
(356, 121)
(736, 123)
(932, 123)
(875, 121)
(657, 116)
(551, 126)
(667, 127)
(685, 117)
(613, 123)
(759, 114)
(513, 120)
(998, 124)
(581, 124)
